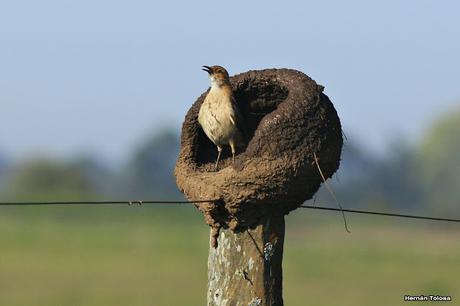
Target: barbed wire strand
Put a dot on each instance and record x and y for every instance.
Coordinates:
(356, 211)
(140, 202)
(129, 202)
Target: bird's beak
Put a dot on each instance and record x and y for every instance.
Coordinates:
(207, 69)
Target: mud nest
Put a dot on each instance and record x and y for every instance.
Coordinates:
(289, 122)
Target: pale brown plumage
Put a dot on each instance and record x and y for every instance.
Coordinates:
(219, 115)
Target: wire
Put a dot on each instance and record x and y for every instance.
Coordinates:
(380, 213)
(140, 202)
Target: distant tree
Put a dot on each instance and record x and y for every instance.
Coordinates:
(4, 171)
(355, 162)
(150, 171)
(3, 162)
(44, 178)
(99, 176)
(389, 181)
(439, 164)
(393, 182)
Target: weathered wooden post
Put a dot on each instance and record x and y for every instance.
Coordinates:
(290, 121)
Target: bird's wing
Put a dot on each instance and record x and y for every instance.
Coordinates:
(238, 120)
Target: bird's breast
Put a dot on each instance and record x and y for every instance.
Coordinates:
(215, 117)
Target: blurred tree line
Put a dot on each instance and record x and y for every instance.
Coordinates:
(148, 173)
(424, 176)
(419, 177)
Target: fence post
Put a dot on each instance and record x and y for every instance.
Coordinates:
(246, 267)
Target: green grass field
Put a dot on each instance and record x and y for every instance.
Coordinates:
(157, 256)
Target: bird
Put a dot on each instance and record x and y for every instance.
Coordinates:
(219, 115)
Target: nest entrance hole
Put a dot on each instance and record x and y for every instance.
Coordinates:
(255, 99)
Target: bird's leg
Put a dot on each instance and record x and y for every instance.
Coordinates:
(232, 146)
(219, 150)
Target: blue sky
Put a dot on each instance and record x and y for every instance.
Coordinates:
(99, 76)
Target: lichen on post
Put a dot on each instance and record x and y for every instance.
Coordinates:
(290, 121)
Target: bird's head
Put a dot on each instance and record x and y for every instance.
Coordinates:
(218, 75)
